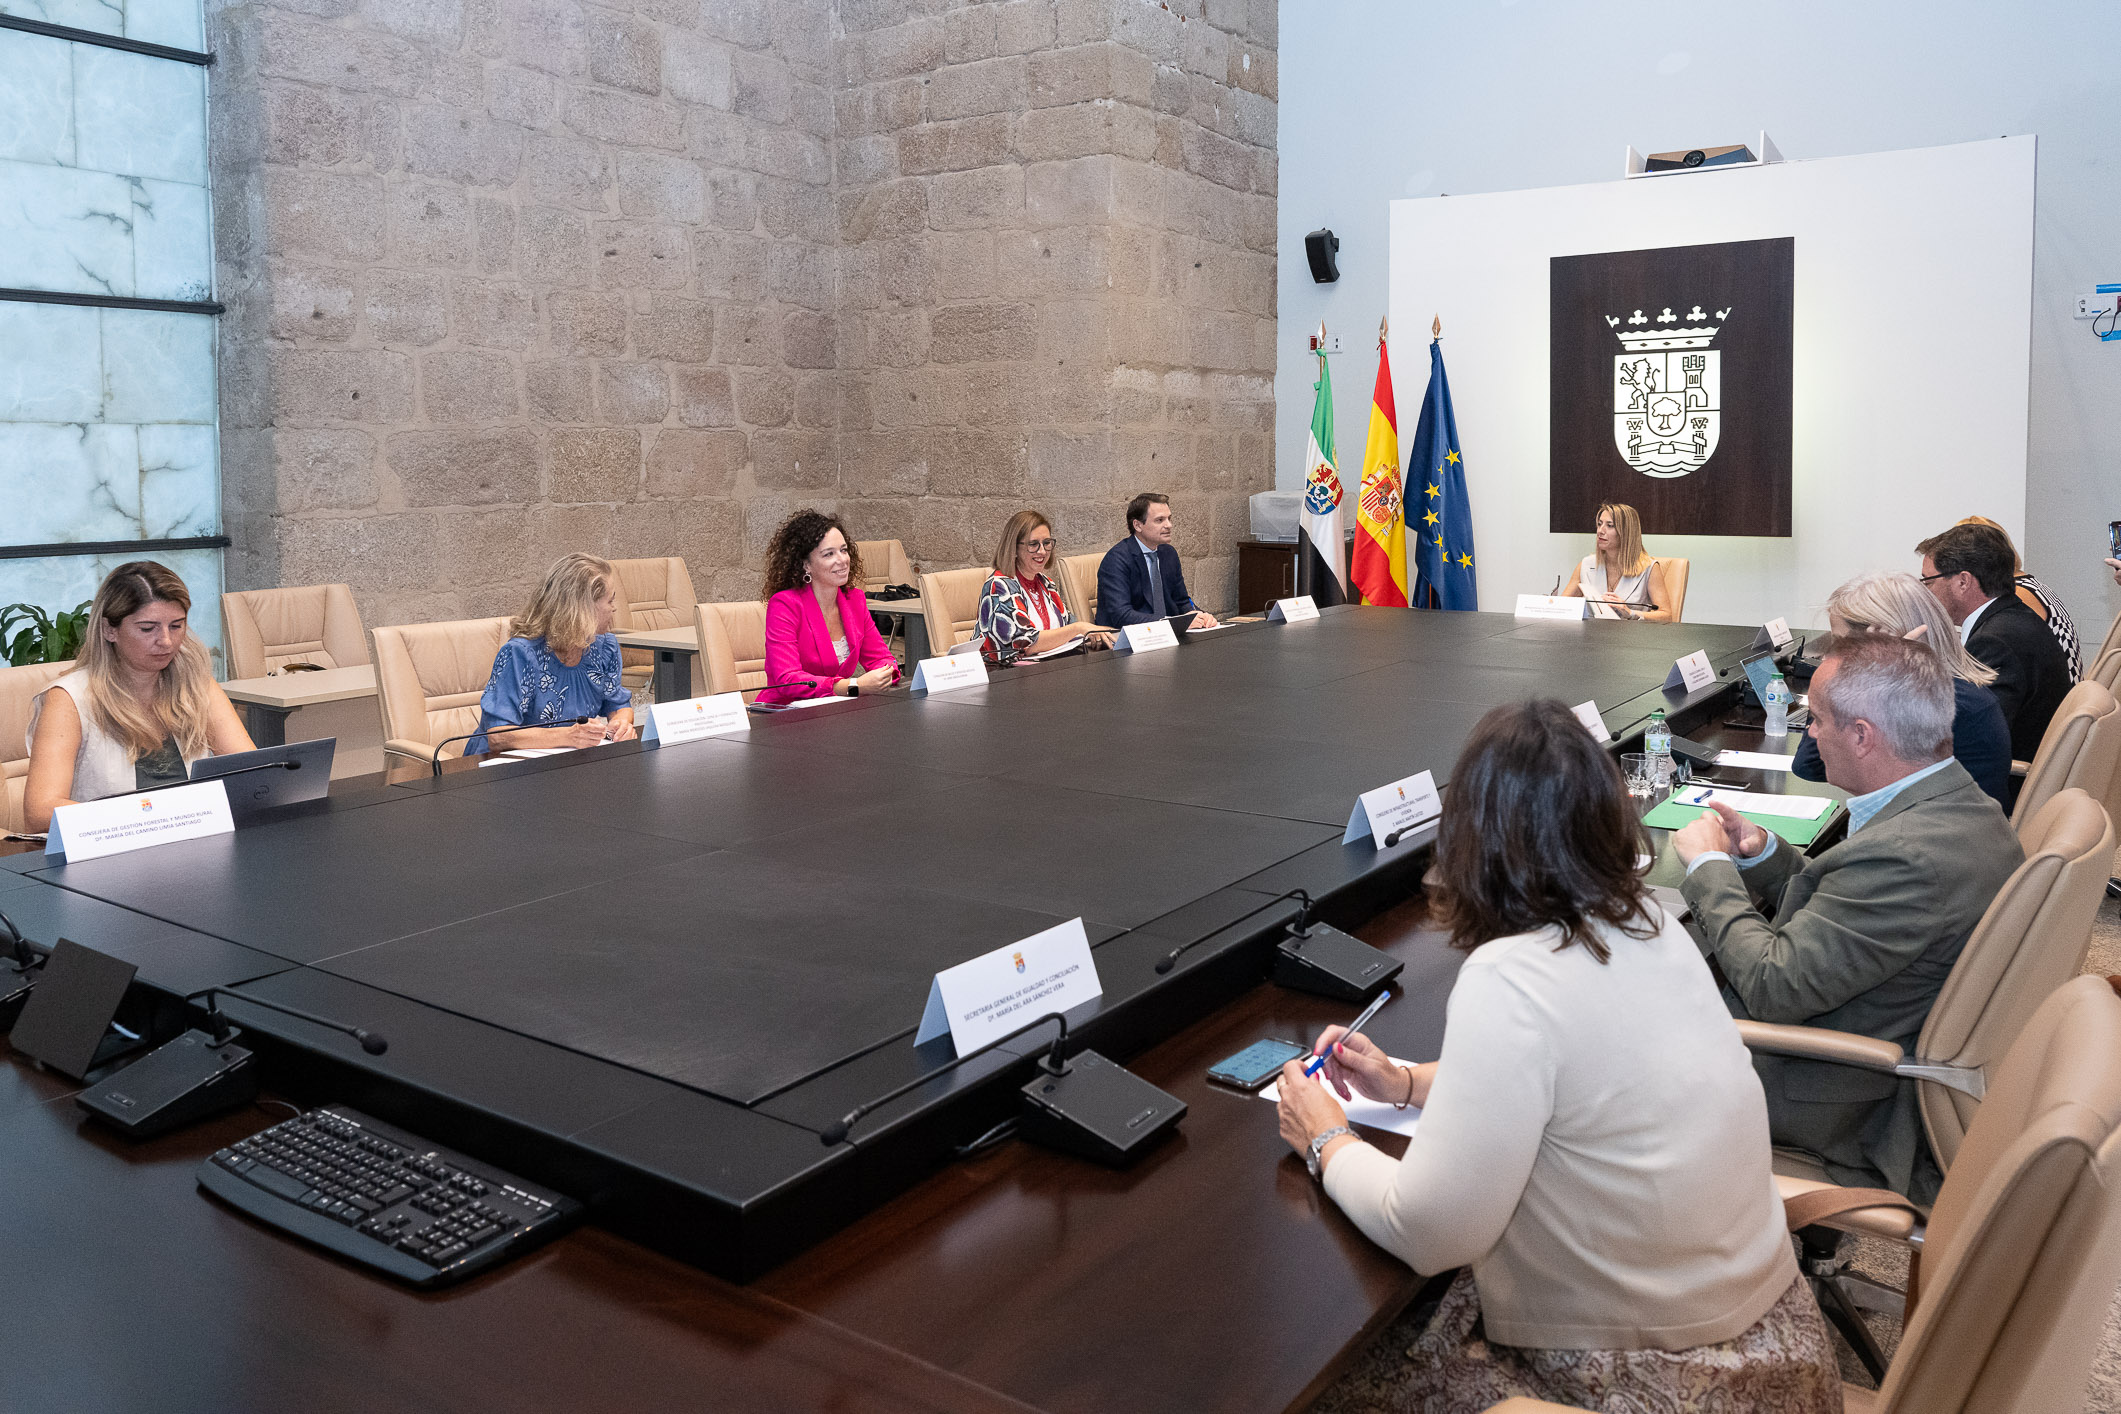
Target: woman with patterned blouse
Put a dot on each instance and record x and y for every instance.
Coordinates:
(1020, 608)
(560, 662)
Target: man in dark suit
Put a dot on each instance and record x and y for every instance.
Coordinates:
(1862, 937)
(1140, 579)
(1969, 569)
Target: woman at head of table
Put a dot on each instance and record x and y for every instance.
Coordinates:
(1020, 608)
(561, 662)
(140, 705)
(1593, 1144)
(1618, 572)
(1899, 604)
(820, 640)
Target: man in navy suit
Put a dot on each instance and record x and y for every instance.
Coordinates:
(1140, 579)
(1968, 568)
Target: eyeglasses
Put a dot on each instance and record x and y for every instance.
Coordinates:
(1034, 546)
(1926, 578)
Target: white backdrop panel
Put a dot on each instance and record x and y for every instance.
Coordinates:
(1913, 318)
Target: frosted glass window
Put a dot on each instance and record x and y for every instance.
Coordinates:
(180, 24)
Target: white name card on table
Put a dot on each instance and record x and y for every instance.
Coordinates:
(1293, 611)
(1593, 720)
(1778, 632)
(1146, 638)
(691, 718)
(997, 992)
(950, 672)
(1551, 606)
(1694, 671)
(1399, 807)
(1756, 760)
(123, 823)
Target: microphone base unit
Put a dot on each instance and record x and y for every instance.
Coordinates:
(180, 1082)
(1097, 1110)
(1329, 963)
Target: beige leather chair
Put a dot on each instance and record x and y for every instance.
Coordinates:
(2111, 644)
(316, 623)
(1078, 577)
(2081, 747)
(429, 678)
(950, 602)
(733, 647)
(1676, 571)
(18, 688)
(654, 594)
(2022, 1252)
(884, 562)
(2106, 668)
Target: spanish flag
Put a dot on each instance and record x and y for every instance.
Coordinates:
(1380, 567)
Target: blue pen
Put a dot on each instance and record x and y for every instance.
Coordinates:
(1318, 1062)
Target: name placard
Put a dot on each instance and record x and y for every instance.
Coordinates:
(1778, 632)
(997, 992)
(950, 672)
(1146, 638)
(1396, 808)
(1292, 611)
(93, 829)
(1550, 606)
(673, 723)
(1593, 720)
(1692, 672)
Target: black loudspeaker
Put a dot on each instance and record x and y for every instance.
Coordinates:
(66, 1024)
(1329, 963)
(1098, 1110)
(188, 1079)
(1322, 248)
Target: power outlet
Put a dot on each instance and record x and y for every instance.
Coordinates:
(2097, 305)
(1332, 342)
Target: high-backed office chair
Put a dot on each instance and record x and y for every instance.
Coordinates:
(315, 623)
(429, 678)
(733, 647)
(1078, 577)
(2081, 747)
(884, 562)
(1676, 571)
(950, 602)
(2022, 1251)
(2110, 644)
(18, 688)
(2105, 669)
(654, 593)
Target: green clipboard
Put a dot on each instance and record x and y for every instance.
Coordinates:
(1670, 815)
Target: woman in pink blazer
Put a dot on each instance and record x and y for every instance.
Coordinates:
(820, 640)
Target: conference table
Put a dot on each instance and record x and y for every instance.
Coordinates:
(1212, 1274)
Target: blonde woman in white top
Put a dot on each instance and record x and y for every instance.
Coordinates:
(1619, 574)
(140, 706)
(1593, 1145)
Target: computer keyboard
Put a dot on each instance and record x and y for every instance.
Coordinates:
(385, 1198)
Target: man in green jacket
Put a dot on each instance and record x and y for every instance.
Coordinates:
(1862, 937)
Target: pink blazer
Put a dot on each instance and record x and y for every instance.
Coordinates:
(799, 650)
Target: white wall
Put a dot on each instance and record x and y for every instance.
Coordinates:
(1386, 99)
(1891, 417)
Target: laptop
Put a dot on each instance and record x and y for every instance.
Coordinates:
(304, 773)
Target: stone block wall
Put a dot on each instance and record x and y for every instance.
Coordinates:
(511, 277)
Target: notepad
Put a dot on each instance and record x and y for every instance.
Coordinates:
(1797, 818)
(1373, 1113)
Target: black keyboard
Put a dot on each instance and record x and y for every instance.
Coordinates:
(385, 1198)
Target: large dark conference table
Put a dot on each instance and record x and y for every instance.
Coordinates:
(650, 977)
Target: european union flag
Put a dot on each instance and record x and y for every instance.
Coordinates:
(1439, 518)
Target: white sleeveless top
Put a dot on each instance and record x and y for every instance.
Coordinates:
(104, 765)
(1634, 587)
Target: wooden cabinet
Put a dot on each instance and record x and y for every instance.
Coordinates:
(1266, 571)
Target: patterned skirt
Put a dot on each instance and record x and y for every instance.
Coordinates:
(1782, 1364)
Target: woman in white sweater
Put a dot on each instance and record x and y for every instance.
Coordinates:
(1593, 1145)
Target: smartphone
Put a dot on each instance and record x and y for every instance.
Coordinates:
(2113, 538)
(1255, 1065)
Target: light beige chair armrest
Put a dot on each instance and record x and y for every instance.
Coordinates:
(2019, 768)
(418, 751)
(1818, 1043)
(1893, 1224)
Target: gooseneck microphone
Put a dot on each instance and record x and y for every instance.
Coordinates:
(370, 1041)
(261, 766)
(490, 732)
(837, 1131)
(18, 949)
(1303, 920)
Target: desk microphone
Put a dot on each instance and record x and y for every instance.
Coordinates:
(1170, 959)
(289, 765)
(1555, 592)
(16, 985)
(489, 733)
(1404, 830)
(837, 1131)
(372, 1043)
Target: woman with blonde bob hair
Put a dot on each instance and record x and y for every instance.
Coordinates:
(1898, 604)
(1020, 607)
(1619, 575)
(560, 663)
(140, 705)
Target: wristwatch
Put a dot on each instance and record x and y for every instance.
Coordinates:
(1318, 1144)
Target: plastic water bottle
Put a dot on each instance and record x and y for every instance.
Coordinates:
(1657, 745)
(1778, 706)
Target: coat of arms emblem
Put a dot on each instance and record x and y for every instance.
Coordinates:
(1667, 390)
